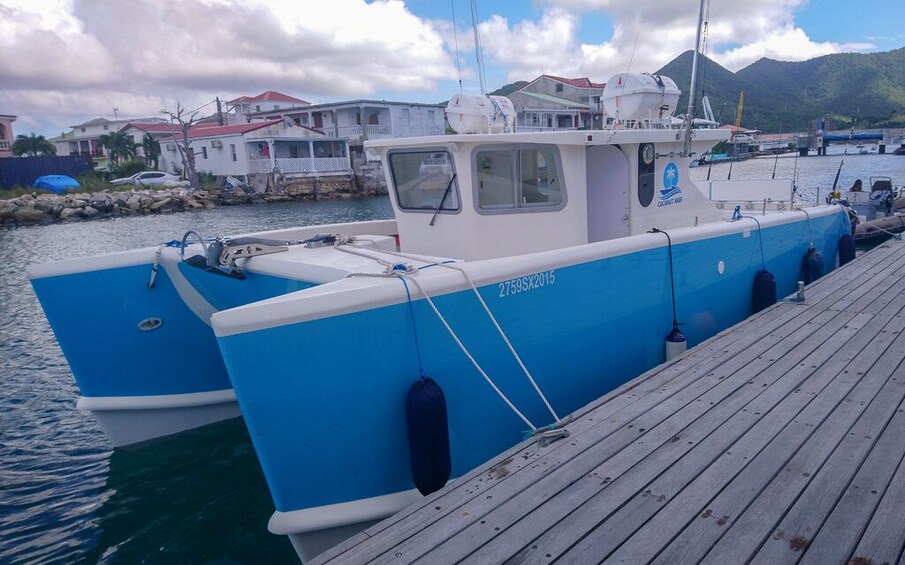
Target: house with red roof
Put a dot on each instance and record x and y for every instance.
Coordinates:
(552, 103)
(265, 146)
(239, 109)
(360, 120)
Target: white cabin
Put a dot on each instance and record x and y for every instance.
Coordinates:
(510, 194)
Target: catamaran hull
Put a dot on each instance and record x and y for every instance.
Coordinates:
(129, 420)
(145, 363)
(140, 346)
(322, 383)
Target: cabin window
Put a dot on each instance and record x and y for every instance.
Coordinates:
(424, 180)
(527, 178)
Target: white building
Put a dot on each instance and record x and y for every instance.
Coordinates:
(553, 103)
(360, 120)
(6, 134)
(260, 147)
(82, 139)
(239, 110)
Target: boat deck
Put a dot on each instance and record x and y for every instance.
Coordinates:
(780, 440)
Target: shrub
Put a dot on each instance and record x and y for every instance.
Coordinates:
(92, 181)
(128, 168)
(207, 180)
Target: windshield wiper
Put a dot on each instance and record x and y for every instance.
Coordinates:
(442, 200)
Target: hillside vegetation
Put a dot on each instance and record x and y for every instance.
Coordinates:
(868, 88)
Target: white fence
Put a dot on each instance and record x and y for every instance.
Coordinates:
(303, 165)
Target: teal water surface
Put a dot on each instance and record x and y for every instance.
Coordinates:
(65, 495)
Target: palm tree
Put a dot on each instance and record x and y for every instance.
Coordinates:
(120, 145)
(32, 145)
(152, 150)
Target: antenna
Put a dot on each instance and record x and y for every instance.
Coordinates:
(456, 38)
(686, 151)
(479, 53)
(627, 71)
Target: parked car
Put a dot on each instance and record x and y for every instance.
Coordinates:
(147, 177)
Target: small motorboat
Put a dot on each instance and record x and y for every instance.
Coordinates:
(876, 214)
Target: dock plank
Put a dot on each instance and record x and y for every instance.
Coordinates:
(767, 443)
(742, 536)
(673, 446)
(884, 539)
(708, 457)
(621, 433)
(840, 533)
(774, 484)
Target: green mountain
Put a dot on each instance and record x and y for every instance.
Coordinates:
(868, 88)
(508, 89)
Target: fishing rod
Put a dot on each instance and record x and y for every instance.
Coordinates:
(845, 151)
(776, 158)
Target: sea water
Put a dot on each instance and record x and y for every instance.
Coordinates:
(200, 497)
(65, 494)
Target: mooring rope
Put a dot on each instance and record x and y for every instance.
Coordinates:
(760, 236)
(493, 319)
(344, 242)
(471, 358)
(810, 233)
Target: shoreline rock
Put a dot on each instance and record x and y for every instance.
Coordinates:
(42, 209)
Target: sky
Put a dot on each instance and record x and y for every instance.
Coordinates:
(63, 62)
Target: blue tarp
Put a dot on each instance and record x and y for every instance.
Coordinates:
(56, 183)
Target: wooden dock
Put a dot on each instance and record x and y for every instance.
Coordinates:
(780, 440)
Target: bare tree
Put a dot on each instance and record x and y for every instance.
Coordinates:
(186, 153)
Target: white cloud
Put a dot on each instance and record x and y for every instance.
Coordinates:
(526, 49)
(64, 61)
(89, 54)
(652, 33)
(789, 44)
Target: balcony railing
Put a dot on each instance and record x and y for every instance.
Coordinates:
(536, 129)
(4, 145)
(301, 165)
(372, 131)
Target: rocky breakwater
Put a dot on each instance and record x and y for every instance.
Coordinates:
(41, 208)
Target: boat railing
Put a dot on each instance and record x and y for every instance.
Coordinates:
(774, 194)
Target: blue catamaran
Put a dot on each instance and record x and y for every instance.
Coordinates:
(535, 272)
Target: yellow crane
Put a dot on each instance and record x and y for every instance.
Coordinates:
(738, 113)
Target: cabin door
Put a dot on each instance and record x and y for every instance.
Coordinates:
(608, 193)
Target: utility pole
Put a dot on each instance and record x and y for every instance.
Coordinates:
(219, 112)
